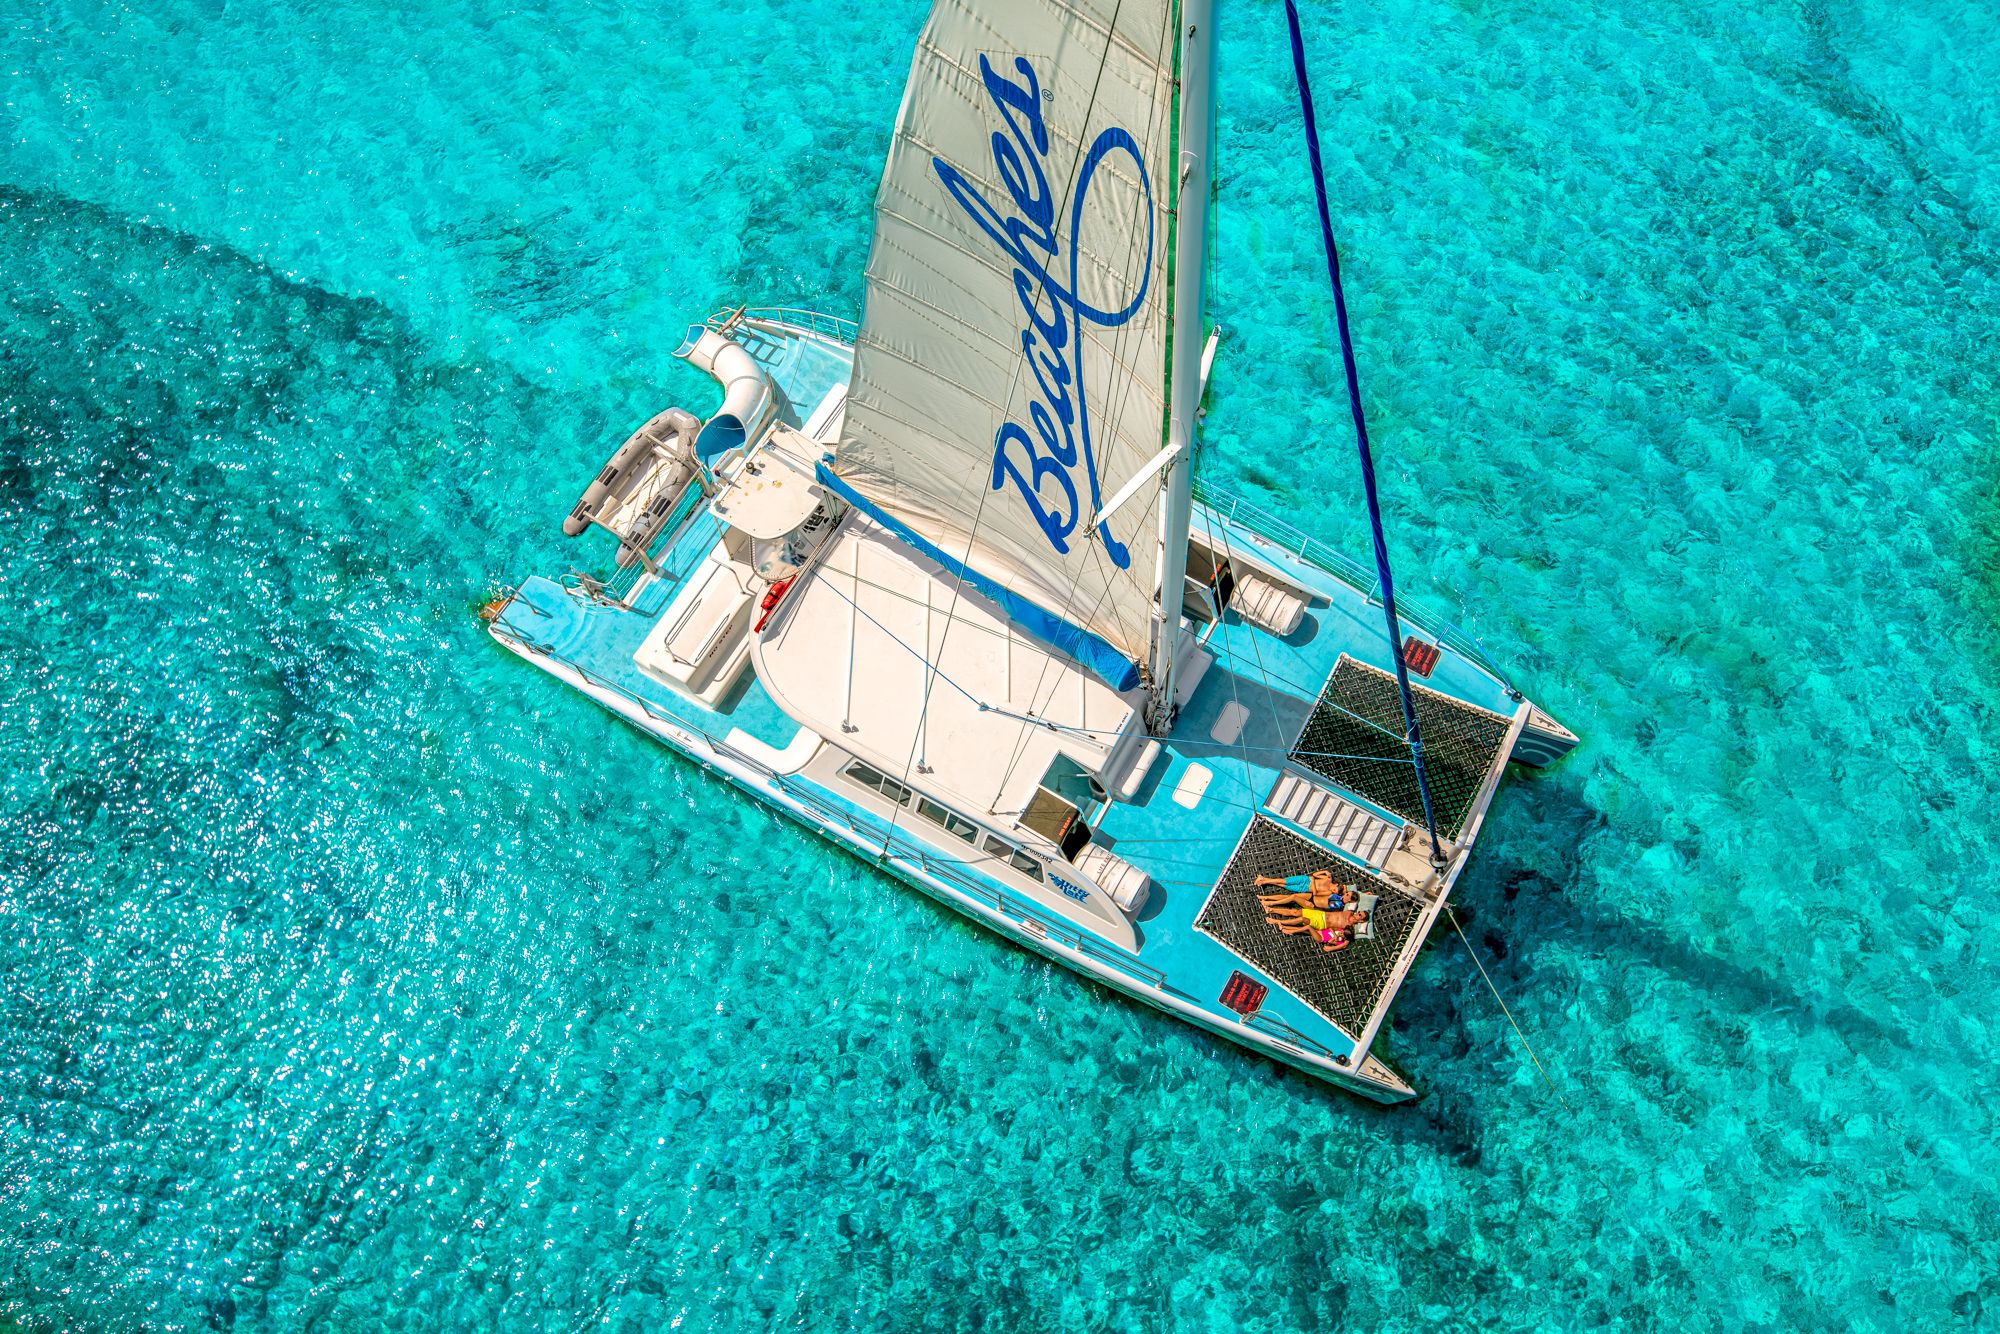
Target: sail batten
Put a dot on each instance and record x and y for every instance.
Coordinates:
(1011, 372)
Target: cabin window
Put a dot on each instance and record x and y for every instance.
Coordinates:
(1025, 864)
(881, 782)
(954, 823)
(1012, 855)
(945, 818)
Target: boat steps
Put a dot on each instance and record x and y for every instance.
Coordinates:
(1359, 832)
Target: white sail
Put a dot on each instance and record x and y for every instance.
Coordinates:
(1011, 372)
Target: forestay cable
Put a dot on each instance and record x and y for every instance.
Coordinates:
(1415, 737)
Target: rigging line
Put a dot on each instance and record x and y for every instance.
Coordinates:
(853, 636)
(1220, 531)
(1243, 748)
(1049, 724)
(909, 761)
(1095, 559)
(1504, 1010)
(1296, 689)
(1087, 733)
(1035, 698)
(1366, 721)
(1222, 624)
(931, 676)
(1113, 421)
(1007, 639)
(1048, 662)
(897, 640)
(1229, 554)
(1415, 738)
(888, 591)
(1164, 205)
(1234, 698)
(1117, 411)
(1098, 733)
(1035, 694)
(1164, 626)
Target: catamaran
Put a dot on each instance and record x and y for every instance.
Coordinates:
(943, 586)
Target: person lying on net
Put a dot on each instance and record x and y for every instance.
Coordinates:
(1317, 890)
(1325, 911)
(1328, 926)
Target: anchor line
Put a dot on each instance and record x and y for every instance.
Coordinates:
(1530, 1047)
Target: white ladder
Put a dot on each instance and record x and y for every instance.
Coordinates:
(1340, 822)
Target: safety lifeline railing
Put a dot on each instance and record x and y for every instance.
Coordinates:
(818, 322)
(890, 844)
(1287, 537)
(1284, 1032)
(1043, 928)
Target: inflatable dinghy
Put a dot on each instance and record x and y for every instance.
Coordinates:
(641, 485)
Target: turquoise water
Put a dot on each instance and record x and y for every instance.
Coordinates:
(359, 977)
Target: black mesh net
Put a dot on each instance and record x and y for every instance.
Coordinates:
(1344, 985)
(1355, 738)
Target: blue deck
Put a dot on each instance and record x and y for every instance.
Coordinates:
(1184, 850)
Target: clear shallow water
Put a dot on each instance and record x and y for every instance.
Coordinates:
(359, 977)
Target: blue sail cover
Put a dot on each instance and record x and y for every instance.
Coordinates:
(1095, 653)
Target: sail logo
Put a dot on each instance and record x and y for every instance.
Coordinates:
(1041, 464)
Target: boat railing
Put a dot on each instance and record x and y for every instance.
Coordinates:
(817, 322)
(1284, 1032)
(1043, 928)
(1297, 542)
(617, 590)
(891, 845)
(620, 585)
(902, 847)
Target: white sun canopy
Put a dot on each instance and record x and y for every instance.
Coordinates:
(1011, 372)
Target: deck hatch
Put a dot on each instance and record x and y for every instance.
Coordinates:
(1242, 995)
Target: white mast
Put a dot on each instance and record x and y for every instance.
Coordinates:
(1190, 251)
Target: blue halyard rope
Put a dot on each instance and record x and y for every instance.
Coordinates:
(1361, 427)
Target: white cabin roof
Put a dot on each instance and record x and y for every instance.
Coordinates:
(879, 650)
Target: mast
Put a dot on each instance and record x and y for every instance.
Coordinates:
(1196, 125)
